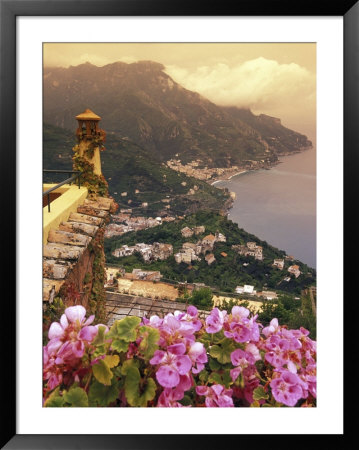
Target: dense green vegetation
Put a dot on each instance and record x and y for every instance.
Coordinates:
(292, 312)
(201, 298)
(127, 168)
(226, 272)
(57, 151)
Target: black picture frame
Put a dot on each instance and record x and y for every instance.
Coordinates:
(9, 10)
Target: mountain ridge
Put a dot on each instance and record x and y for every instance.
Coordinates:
(142, 103)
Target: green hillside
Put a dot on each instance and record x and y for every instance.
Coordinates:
(57, 147)
(226, 272)
(128, 168)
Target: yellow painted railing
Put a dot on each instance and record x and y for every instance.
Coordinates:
(71, 197)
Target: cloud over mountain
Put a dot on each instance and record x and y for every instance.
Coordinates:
(256, 83)
(261, 84)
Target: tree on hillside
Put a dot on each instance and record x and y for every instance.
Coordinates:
(202, 298)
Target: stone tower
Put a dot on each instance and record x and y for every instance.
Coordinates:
(90, 138)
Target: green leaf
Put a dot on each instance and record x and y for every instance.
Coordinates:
(100, 350)
(77, 397)
(214, 365)
(259, 393)
(119, 345)
(149, 343)
(186, 401)
(132, 388)
(219, 337)
(125, 329)
(203, 376)
(222, 352)
(227, 379)
(117, 371)
(112, 334)
(112, 360)
(148, 394)
(127, 365)
(102, 372)
(54, 400)
(101, 395)
(215, 378)
(208, 339)
(100, 337)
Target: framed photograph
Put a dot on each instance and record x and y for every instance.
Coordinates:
(199, 111)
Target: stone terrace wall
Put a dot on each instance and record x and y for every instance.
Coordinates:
(73, 258)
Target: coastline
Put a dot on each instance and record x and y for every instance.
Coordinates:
(230, 203)
(228, 178)
(261, 167)
(260, 220)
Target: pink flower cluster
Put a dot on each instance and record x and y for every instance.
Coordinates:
(216, 396)
(281, 362)
(181, 355)
(236, 326)
(68, 340)
(242, 329)
(292, 354)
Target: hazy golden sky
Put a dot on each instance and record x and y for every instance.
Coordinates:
(278, 79)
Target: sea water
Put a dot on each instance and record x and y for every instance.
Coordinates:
(279, 205)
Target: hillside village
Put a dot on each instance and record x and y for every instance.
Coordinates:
(187, 253)
(149, 252)
(188, 249)
(198, 169)
(124, 222)
(250, 249)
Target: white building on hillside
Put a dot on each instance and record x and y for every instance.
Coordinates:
(294, 270)
(186, 232)
(246, 289)
(220, 237)
(279, 263)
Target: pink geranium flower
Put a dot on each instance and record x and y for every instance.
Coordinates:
(215, 321)
(240, 359)
(67, 344)
(76, 316)
(276, 350)
(190, 323)
(173, 363)
(287, 388)
(216, 396)
(169, 398)
(272, 328)
(240, 328)
(50, 372)
(68, 337)
(198, 355)
(254, 350)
